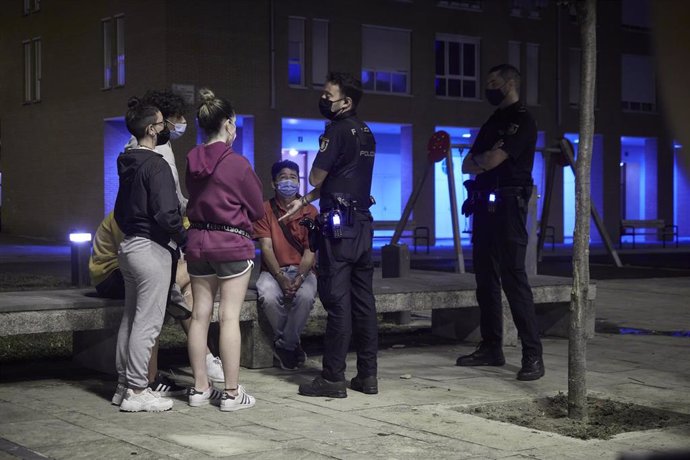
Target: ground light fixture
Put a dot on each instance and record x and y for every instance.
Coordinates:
(80, 246)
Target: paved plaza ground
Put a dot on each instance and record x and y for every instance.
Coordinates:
(58, 411)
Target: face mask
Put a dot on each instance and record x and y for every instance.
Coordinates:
(326, 108)
(494, 96)
(163, 136)
(287, 188)
(179, 131)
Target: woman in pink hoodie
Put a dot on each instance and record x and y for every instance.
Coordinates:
(225, 197)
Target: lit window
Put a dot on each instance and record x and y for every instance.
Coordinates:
(32, 70)
(638, 86)
(31, 6)
(113, 31)
(385, 60)
(296, 51)
(457, 64)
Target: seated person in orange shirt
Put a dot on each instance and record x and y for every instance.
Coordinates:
(287, 285)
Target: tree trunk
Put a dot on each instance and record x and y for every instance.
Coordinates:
(577, 348)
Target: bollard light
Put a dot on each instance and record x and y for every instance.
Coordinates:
(80, 245)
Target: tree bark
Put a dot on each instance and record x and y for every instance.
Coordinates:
(577, 347)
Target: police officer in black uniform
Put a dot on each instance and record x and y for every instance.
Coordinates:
(501, 158)
(341, 175)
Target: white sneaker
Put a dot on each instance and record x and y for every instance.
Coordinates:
(201, 398)
(147, 401)
(119, 394)
(214, 369)
(241, 401)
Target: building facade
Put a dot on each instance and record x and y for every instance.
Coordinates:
(70, 66)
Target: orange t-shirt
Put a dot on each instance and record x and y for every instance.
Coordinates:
(268, 227)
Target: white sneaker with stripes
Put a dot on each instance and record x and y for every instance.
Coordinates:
(241, 401)
(201, 398)
(165, 386)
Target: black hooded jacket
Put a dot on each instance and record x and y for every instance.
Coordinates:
(147, 203)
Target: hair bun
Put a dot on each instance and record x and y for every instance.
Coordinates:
(133, 102)
(206, 95)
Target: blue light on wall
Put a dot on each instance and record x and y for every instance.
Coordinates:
(115, 137)
(681, 190)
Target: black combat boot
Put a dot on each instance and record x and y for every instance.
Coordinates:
(486, 354)
(366, 385)
(532, 368)
(322, 387)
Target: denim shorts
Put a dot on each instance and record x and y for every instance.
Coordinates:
(222, 270)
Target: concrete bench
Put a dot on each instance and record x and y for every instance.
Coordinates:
(450, 297)
(653, 227)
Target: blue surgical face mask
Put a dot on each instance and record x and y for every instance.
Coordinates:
(287, 188)
(178, 131)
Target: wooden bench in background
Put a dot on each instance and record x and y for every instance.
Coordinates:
(656, 227)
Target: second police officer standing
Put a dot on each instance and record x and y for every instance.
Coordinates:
(341, 176)
(501, 158)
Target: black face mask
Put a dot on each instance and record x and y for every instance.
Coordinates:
(163, 136)
(325, 107)
(494, 96)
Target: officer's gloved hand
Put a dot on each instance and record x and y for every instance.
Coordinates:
(468, 204)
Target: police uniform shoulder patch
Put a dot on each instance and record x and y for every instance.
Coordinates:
(512, 129)
(324, 144)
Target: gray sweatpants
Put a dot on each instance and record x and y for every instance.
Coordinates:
(146, 268)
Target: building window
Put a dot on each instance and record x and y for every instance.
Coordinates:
(385, 60)
(457, 66)
(532, 77)
(32, 70)
(471, 5)
(635, 14)
(296, 52)
(113, 51)
(528, 8)
(31, 6)
(319, 51)
(638, 86)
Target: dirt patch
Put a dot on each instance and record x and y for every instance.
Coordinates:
(607, 418)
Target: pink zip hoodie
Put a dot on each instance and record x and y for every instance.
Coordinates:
(223, 189)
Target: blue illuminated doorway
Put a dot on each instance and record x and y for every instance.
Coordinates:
(392, 183)
(596, 187)
(681, 189)
(639, 179)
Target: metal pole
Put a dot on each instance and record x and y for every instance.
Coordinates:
(410, 204)
(460, 261)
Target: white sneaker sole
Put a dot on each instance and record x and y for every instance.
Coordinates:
(124, 407)
(237, 407)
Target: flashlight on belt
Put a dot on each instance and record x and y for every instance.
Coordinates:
(491, 205)
(335, 220)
